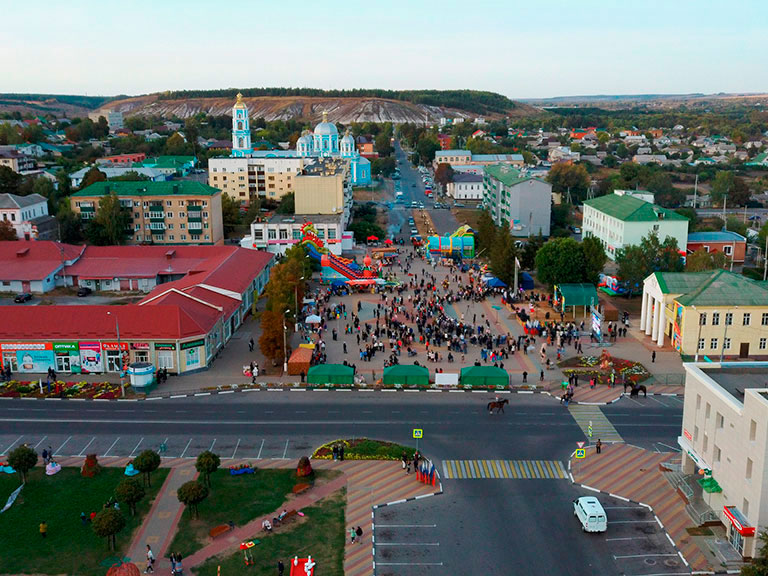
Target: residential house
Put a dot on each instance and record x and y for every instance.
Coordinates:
(29, 216)
(733, 245)
(513, 196)
(466, 186)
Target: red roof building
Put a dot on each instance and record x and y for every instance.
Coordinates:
(32, 266)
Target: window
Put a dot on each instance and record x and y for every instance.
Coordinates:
(169, 203)
(715, 318)
(283, 234)
(331, 233)
(726, 343)
(764, 320)
(719, 420)
(752, 430)
(137, 215)
(707, 411)
(701, 343)
(181, 202)
(695, 433)
(728, 319)
(748, 472)
(170, 226)
(746, 319)
(271, 234)
(745, 507)
(713, 343)
(182, 225)
(702, 319)
(727, 250)
(170, 237)
(169, 214)
(762, 345)
(259, 235)
(141, 356)
(717, 454)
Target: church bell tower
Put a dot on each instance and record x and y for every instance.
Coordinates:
(241, 131)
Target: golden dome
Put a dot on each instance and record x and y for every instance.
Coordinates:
(239, 103)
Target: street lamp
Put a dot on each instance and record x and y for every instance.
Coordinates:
(725, 333)
(119, 354)
(285, 346)
(698, 338)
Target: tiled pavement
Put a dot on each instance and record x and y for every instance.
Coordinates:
(592, 417)
(633, 473)
(603, 394)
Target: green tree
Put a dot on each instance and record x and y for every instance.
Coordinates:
(70, 225)
(146, 463)
(735, 224)
(383, 166)
(693, 218)
(230, 214)
(702, 260)
(503, 254)
(109, 226)
(176, 146)
(560, 261)
(664, 193)
(762, 235)
(9, 181)
(594, 259)
(530, 249)
(383, 144)
(101, 128)
(22, 459)
(287, 204)
(7, 231)
(721, 186)
(610, 161)
(661, 256)
(91, 177)
(426, 149)
(191, 494)
(207, 463)
(574, 177)
(759, 564)
(130, 492)
(631, 267)
(107, 524)
(486, 232)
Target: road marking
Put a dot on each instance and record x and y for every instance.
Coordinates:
(236, 447)
(179, 396)
(409, 563)
(633, 521)
(643, 556)
(110, 448)
(621, 539)
(408, 544)
(185, 448)
(41, 441)
(86, 446)
(286, 449)
(203, 394)
(668, 446)
(137, 446)
(12, 444)
(506, 469)
(226, 392)
(260, 449)
(406, 525)
(62, 446)
(212, 445)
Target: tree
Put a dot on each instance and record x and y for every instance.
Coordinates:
(207, 463)
(287, 204)
(444, 174)
(661, 256)
(383, 166)
(560, 261)
(130, 491)
(176, 146)
(664, 193)
(693, 218)
(91, 177)
(383, 144)
(22, 459)
(146, 463)
(271, 339)
(426, 149)
(101, 128)
(702, 260)
(734, 224)
(486, 232)
(721, 186)
(759, 564)
(9, 181)
(594, 259)
(110, 224)
(564, 176)
(610, 161)
(70, 225)
(191, 494)
(7, 231)
(531, 248)
(107, 524)
(632, 268)
(762, 235)
(230, 213)
(503, 254)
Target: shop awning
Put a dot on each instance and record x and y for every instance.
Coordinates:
(331, 374)
(406, 375)
(577, 294)
(739, 522)
(709, 485)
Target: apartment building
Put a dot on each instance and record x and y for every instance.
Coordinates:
(174, 212)
(515, 197)
(265, 174)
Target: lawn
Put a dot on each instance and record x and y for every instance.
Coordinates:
(319, 534)
(237, 498)
(364, 449)
(70, 547)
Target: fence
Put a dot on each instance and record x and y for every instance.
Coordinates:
(675, 379)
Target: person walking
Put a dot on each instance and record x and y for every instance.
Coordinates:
(525, 377)
(280, 568)
(352, 535)
(359, 534)
(335, 452)
(150, 561)
(341, 452)
(250, 344)
(598, 446)
(43, 529)
(653, 357)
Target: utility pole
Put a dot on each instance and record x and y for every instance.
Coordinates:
(725, 201)
(698, 338)
(765, 259)
(695, 190)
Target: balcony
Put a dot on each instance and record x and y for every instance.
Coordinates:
(157, 227)
(87, 208)
(194, 218)
(194, 227)
(192, 208)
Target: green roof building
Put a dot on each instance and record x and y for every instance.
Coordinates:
(171, 165)
(524, 202)
(622, 219)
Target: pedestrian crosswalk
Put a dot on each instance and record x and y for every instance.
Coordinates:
(601, 426)
(508, 469)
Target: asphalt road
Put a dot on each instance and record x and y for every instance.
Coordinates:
(480, 525)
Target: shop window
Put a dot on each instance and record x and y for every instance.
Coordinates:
(141, 355)
(165, 359)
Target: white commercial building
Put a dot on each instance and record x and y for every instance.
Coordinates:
(29, 216)
(466, 187)
(515, 197)
(620, 220)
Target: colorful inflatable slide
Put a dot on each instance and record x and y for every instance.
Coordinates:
(460, 243)
(336, 269)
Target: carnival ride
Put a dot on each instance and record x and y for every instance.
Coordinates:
(461, 243)
(336, 269)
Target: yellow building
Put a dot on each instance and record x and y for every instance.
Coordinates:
(323, 187)
(725, 313)
(266, 174)
(174, 212)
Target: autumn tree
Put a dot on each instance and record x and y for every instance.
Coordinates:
(91, 177)
(7, 231)
(444, 174)
(702, 260)
(271, 339)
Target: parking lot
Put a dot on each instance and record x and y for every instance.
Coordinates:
(407, 539)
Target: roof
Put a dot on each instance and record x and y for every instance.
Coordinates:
(167, 161)
(11, 201)
(144, 188)
(716, 288)
(466, 177)
(484, 375)
(114, 171)
(508, 175)
(440, 153)
(578, 294)
(29, 260)
(721, 236)
(85, 322)
(631, 209)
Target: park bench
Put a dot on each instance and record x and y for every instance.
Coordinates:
(219, 530)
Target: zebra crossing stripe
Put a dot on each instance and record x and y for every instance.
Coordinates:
(504, 469)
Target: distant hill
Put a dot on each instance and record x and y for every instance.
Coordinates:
(56, 104)
(662, 101)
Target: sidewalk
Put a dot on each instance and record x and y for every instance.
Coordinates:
(633, 473)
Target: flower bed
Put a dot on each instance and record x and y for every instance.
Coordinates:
(363, 449)
(588, 367)
(60, 389)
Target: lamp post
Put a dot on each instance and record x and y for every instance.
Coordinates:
(725, 333)
(285, 346)
(698, 338)
(119, 355)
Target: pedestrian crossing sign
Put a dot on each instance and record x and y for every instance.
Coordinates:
(581, 453)
(418, 433)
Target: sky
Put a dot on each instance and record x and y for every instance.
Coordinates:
(530, 49)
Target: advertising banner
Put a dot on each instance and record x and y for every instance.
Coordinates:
(35, 360)
(90, 357)
(113, 346)
(165, 346)
(192, 344)
(139, 345)
(65, 347)
(192, 357)
(26, 346)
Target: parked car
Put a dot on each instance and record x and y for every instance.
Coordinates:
(575, 229)
(83, 291)
(458, 205)
(23, 297)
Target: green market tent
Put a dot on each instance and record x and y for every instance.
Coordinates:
(406, 375)
(484, 376)
(331, 374)
(572, 295)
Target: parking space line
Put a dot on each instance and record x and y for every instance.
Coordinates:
(643, 556)
(633, 522)
(185, 448)
(406, 525)
(408, 544)
(12, 444)
(411, 563)
(260, 449)
(137, 446)
(41, 441)
(110, 448)
(86, 446)
(236, 447)
(212, 445)
(286, 448)
(62, 446)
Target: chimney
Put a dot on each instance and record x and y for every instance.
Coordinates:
(170, 254)
(175, 188)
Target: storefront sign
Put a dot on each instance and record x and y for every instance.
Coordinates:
(740, 523)
(165, 346)
(26, 346)
(139, 345)
(35, 360)
(687, 435)
(192, 344)
(90, 357)
(192, 357)
(65, 347)
(114, 346)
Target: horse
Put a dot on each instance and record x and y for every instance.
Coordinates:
(498, 405)
(637, 389)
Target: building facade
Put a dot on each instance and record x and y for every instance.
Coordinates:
(122, 159)
(620, 220)
(733, 245)
(29, 216)
(523, 201)
(19, 163)
(178, 212)
(467, 186)
(463, 157)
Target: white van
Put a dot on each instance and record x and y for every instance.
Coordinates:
(590, 513)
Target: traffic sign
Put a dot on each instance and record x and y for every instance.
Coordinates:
(581, 453)
(418, 433)
(580, 444)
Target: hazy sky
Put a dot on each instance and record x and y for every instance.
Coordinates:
(524, 49)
